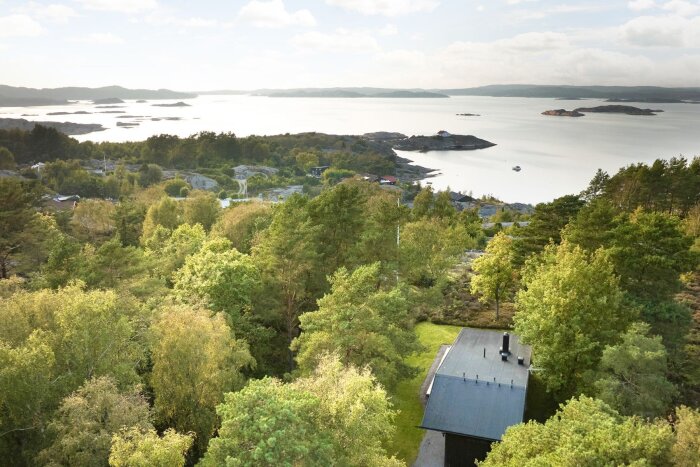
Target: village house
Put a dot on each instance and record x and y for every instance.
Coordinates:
(478, 391)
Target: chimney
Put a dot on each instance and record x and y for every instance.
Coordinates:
(505, 348)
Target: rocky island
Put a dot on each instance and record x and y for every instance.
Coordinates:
(176, 104)
(610, 109)
(442, 141)
(68, 128)
(618, 109)
(563, 113)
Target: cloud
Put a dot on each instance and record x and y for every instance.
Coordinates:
(102, 38)
(386, 7)
(639, 5)
(340, 41)
(682, 7)
(184, 23)
(389, 30)
(56, 13)
(661, 31)
(562, 9)
(19, 26)
(122, 6)
(273, 14)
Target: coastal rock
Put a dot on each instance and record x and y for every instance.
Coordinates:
(443, 142)
(468, 115)
(176, 104)
(618, 109)
(384, 136)
(563, 113)
(127, 124)
(68, 128)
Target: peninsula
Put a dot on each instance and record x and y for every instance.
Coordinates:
(68, 128)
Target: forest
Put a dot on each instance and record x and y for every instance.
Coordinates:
(147, 326)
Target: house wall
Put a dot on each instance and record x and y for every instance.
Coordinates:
(461, 451)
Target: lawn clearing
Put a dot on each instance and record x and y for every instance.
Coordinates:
(405, 396)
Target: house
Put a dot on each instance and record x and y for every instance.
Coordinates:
(387, 180)
(370, 178)
(444, 134)
(478, 391)
(318, 171)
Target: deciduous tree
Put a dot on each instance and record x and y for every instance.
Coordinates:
(196, 359)
(136, 447)
(584, 432)
(569, 309)
(494, 272)
(363, 324)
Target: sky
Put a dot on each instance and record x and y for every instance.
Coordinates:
(228, 44)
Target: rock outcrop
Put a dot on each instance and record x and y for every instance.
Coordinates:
(68, 128)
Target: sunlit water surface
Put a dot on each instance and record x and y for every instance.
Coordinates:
(558, 155)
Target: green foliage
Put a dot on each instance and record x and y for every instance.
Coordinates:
(51, 344)
(569, 309)
(16, 215)
(166, 212)
(333, 176)
(337, 416)
(665, 186)
(287, 257)
(423, 203)
(169, 249)
(339, 215)
(650, 251)
(7, 159)
(632, 375)
(355, 410)
(201, 207)
(584, 432)
(144, 448)
(220, 277)
(269, 423)
(128, 220)
(93, 219)
(592, 227)
(242, 222)
(546, 223)
(363, 324)
(429, 249)
(190, 345)
(83, 426)
(150, 174)
(495, 274)
(174, 186)
(686, 450)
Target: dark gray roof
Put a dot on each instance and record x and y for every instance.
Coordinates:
(462, 402)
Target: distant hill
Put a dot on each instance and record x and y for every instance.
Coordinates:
(613, 93)
(14, 96)
(349, 93)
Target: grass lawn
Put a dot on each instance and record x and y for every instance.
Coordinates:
(405, 396)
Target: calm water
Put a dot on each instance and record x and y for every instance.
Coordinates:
(558, 155)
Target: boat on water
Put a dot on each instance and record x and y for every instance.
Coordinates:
(517, 168)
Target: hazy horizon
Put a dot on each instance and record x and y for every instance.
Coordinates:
(431, 44)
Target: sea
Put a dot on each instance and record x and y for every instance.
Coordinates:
(556, 155)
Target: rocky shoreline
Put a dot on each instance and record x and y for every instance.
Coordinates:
(69, 128)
